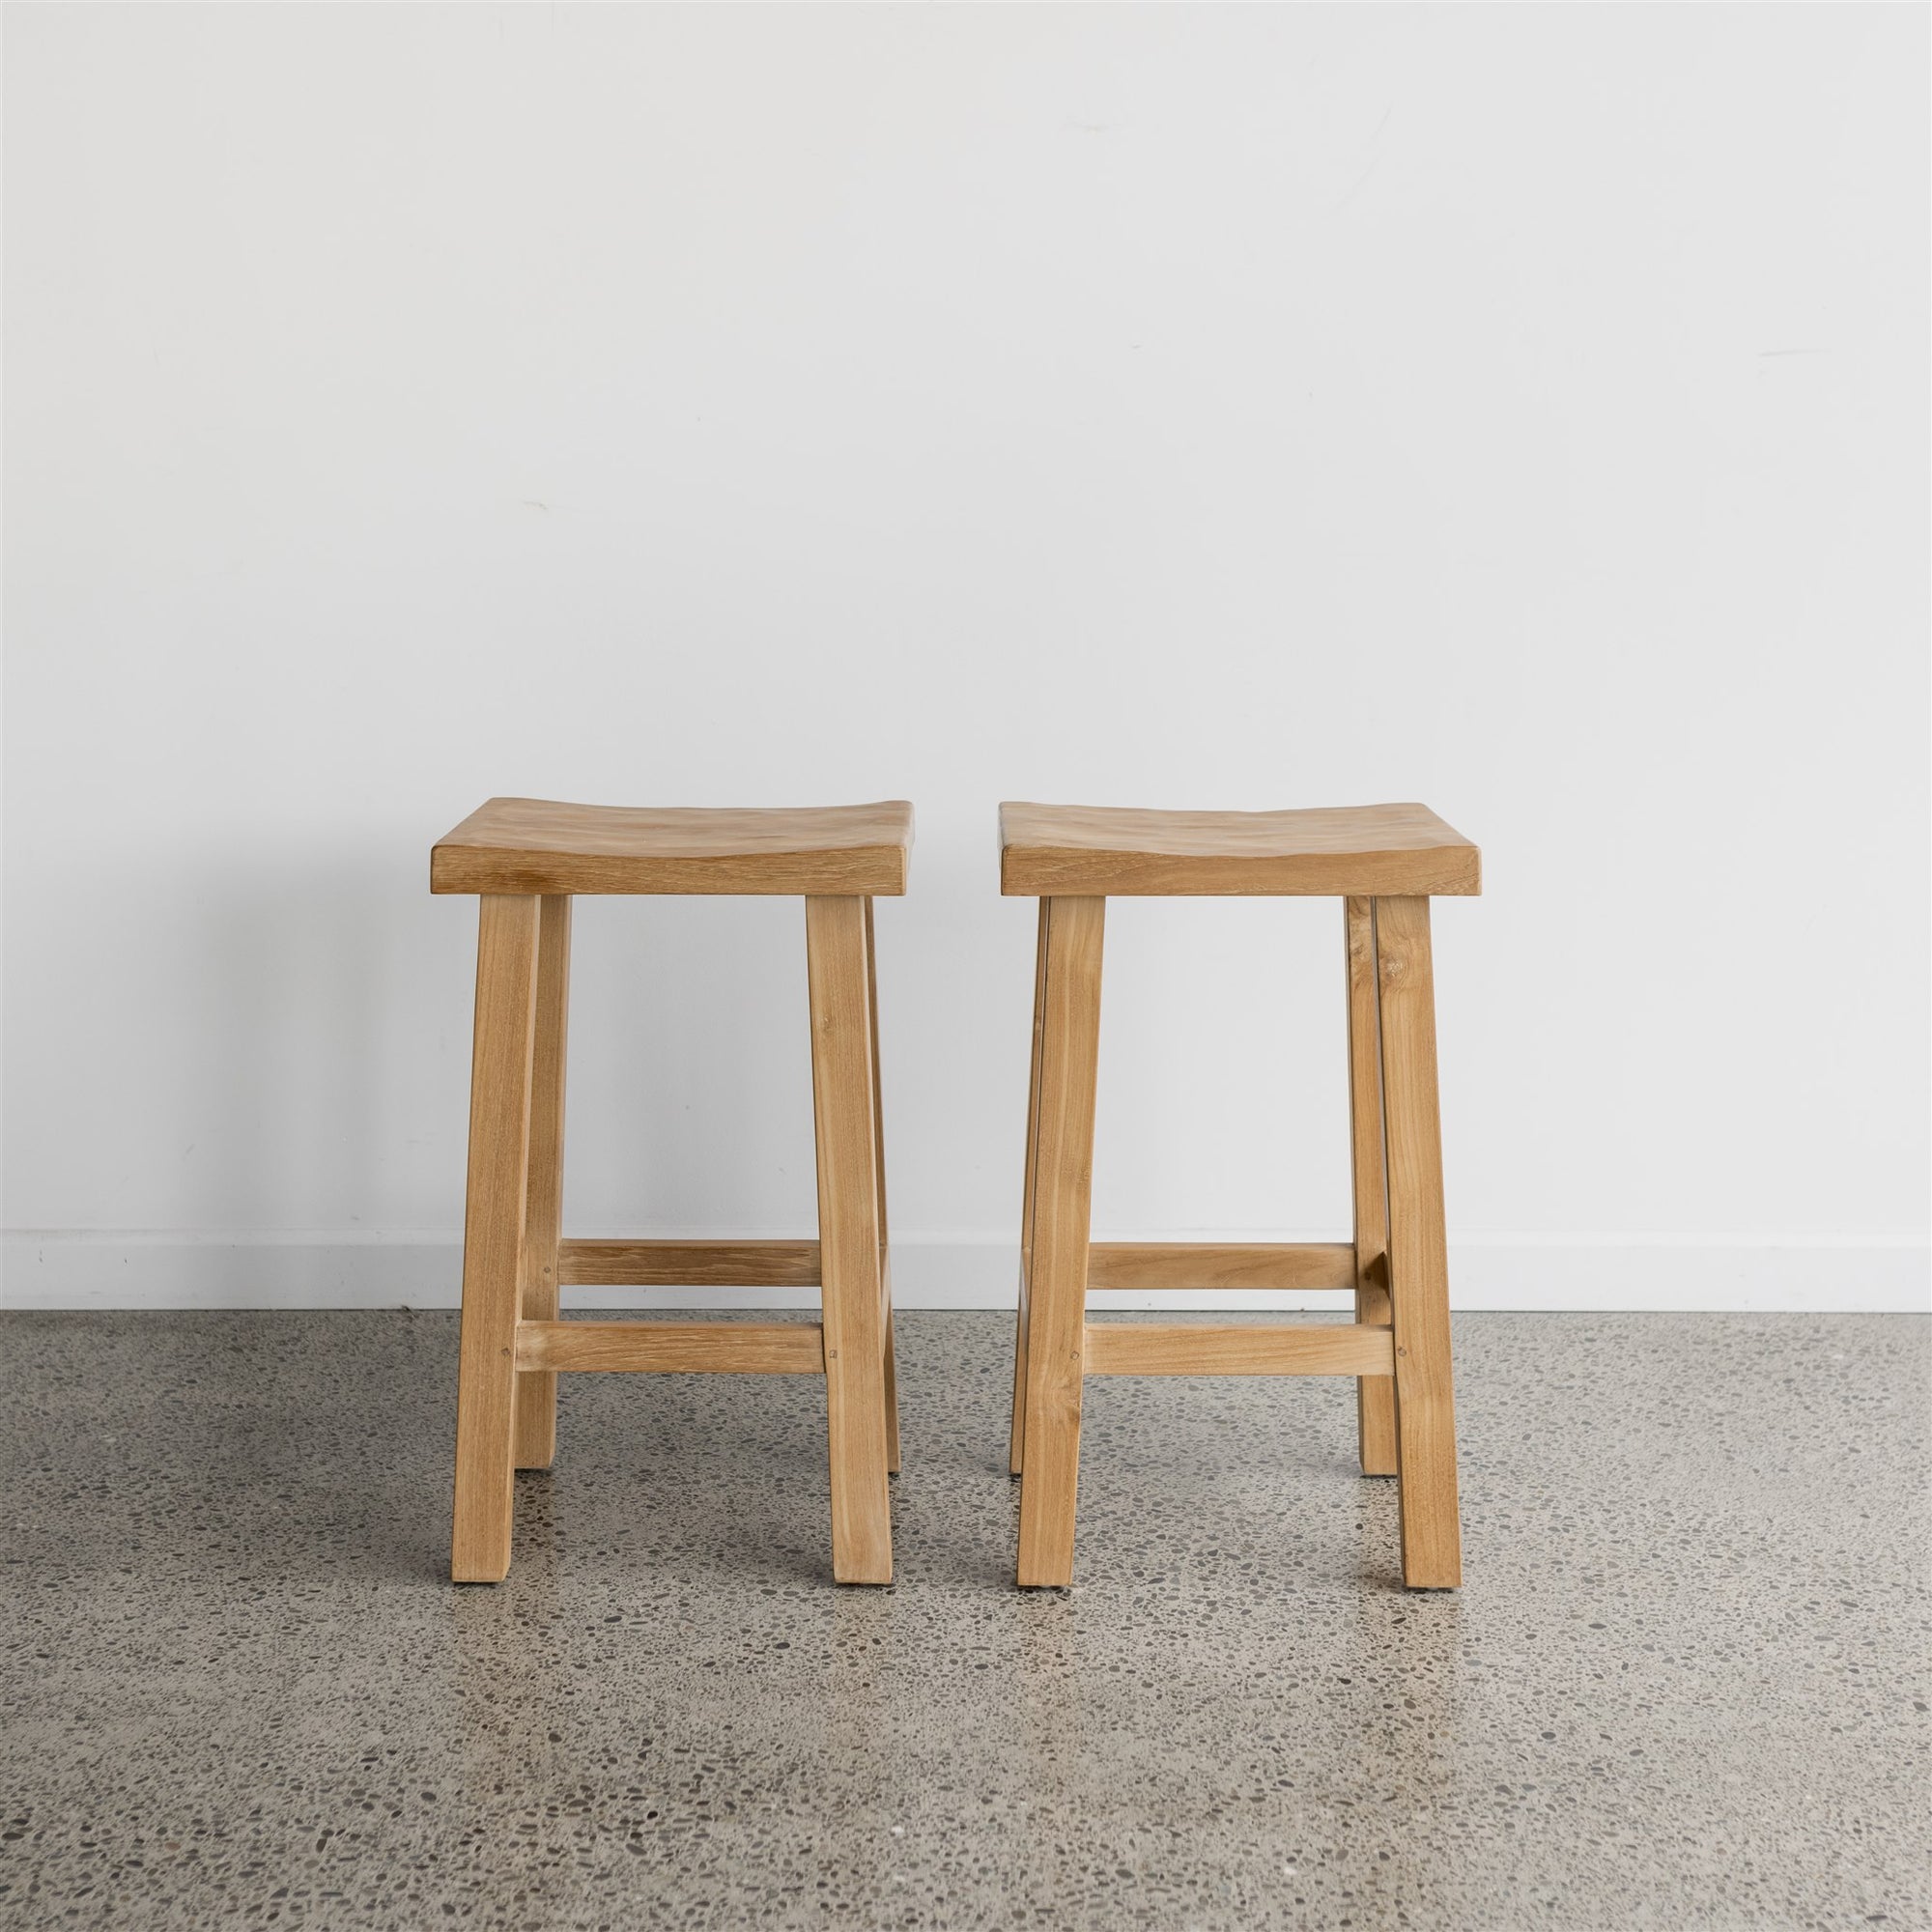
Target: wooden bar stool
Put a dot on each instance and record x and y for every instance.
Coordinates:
(527, 858)
(1385, 862)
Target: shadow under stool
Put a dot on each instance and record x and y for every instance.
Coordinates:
(526, 859)
(1385, 862)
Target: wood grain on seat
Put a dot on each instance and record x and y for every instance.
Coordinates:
(538, 845)
(1104, 850)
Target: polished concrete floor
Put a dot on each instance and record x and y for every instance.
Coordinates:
(1685, 1685)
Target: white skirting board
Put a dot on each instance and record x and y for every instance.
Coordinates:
(121, 1269)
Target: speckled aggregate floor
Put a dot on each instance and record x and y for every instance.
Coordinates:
(1685, 1685)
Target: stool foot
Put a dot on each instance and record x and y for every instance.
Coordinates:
(1061, 1163)
(492, 1237)
(852, 1285)
(1432, 1541)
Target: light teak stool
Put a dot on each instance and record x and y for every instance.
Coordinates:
(1385, 862)
(527, 858)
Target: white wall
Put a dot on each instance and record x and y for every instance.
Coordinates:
(1518, 410)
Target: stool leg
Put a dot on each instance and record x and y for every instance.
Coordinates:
(536, 1389)
(1432, 1541)
(848, 1238)
(1018, 1445)
(1062, 1198)
(885, 1237)
(493, 1236)
(1374, 1395)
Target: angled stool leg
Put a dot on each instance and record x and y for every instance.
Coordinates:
(1017, 1459)
(1062, 1198)
(848, 1238)
(536, 1389)
(885, 1236)
(1374, 1395)
(493, 1236)
(1432, 1542)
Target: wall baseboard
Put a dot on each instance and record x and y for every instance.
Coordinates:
(122, 1269)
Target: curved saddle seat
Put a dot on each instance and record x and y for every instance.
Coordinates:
(1116, 851)
(541, 845)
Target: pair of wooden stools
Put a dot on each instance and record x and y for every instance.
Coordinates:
(528, 858)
